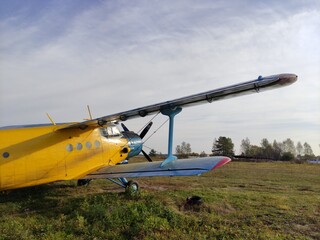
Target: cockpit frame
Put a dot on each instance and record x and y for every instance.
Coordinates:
(110, 131)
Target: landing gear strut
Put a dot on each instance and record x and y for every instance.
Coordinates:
(130, 186)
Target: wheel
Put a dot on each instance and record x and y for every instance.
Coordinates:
(83, 182)
(132, 187)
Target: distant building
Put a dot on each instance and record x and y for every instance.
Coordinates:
(314, 161)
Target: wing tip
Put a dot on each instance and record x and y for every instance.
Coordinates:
(287, 78)
(222, 162)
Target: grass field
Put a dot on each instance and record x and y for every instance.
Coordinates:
(241, 201)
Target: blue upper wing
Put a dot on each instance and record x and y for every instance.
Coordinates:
(254, 86)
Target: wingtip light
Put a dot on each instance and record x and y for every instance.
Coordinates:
(287, 78)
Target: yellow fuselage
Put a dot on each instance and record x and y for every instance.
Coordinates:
(37, 155)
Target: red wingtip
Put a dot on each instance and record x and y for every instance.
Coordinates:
(222, 162)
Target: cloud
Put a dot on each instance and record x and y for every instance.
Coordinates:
(59, 57)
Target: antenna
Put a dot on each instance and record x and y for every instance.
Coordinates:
(89, 111)
(51, 120)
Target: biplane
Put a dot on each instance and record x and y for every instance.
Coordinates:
(96, 148)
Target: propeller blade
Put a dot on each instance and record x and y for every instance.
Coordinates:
(124, 127)
(146, 156)
(145, 130)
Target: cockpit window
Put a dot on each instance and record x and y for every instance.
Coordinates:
(110, 131)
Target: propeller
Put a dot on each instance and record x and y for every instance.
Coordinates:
(140, 137)
(145, 130)
(124, 128)
(146, 155)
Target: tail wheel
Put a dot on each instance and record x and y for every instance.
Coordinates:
(132, 187)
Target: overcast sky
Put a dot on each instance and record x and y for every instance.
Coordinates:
(59, 56)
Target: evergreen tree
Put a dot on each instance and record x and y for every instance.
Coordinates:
(152, 153)
(223, 146)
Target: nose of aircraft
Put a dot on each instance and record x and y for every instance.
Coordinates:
(135, 144)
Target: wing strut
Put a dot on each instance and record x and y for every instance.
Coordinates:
(171, 113)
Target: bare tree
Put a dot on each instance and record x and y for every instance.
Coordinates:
(299, 149)
(245, 146)
(267, 149)
(288, 146)
(184, 149)
(277, 150)
(307, 149)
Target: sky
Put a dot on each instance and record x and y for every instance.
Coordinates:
(60, 56)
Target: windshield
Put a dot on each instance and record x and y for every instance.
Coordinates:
(110, 131)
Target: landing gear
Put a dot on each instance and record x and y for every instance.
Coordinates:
(83, 182)
(132, 187)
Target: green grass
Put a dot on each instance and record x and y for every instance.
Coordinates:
(241, 201)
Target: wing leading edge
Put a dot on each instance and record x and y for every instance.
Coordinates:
(180, 167)
(254, 86)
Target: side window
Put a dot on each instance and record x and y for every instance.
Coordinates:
(79, 146)
(104, 132)
(88, 145)
(97, 144)
(109, 129)
(115, 131)
(69, 148)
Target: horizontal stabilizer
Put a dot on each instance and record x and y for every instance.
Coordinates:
(181, 167)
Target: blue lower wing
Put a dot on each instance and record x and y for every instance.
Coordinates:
(181, 167)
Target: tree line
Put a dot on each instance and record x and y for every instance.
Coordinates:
(285, 150)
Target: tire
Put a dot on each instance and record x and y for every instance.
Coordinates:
(83, 182)
(132, 187)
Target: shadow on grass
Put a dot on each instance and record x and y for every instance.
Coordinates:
(36, 192)
(41, 198)
(51, 200)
